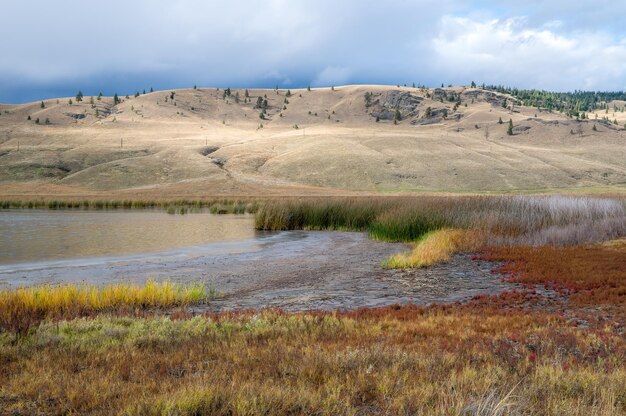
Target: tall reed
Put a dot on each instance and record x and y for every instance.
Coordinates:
(537, 220)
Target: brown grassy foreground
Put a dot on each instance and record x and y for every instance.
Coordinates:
(516, 353)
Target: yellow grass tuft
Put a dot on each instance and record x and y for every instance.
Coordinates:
(21, 308)
(437, 247)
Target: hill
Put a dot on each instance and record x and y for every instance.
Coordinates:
(200, 142)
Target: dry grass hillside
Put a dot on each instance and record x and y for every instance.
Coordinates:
(197, 142)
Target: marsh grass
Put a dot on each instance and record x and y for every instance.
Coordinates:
(215, 206)
(487, 221)
(533, 220)
(22, 308)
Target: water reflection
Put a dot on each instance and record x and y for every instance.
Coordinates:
(31, 236)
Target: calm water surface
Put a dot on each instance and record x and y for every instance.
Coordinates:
(28, 236)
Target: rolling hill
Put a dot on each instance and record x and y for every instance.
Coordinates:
(367, 138)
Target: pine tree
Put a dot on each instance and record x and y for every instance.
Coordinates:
(509, 131)
(500, 120)
(247, 93)
(308, 88)
(28, 118)
(70, 101)
(79, 96)
(473, 84)
(43, 105)
(116, 99)
(397, 116)
(288, 93)
(100, 96)
(151, 89)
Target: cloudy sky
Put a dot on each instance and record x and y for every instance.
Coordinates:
(54, 48)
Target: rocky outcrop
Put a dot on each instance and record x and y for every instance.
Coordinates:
(384, 105)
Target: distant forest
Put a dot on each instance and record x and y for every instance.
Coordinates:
(574, 104)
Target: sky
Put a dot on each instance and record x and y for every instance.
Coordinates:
(55, 48)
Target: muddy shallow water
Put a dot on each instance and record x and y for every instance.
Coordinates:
(293, 270)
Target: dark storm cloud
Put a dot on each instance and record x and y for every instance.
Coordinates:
(56, 48)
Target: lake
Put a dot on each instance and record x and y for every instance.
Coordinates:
(32, 236)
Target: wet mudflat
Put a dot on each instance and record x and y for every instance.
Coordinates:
(292, 270)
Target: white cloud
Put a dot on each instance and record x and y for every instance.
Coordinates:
(509, 51)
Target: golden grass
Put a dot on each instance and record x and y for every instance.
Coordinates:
(437, 247)
(23, 307)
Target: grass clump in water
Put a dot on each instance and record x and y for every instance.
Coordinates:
(436, 247)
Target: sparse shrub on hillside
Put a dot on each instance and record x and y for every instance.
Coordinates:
(428, 112)
(509, 130)
(37, 120)
(288, 94)
(28, 118)
(70, 102)
(47, 120)
(500, 120)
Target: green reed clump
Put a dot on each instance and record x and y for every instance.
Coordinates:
(342, 214)
(406, 224)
